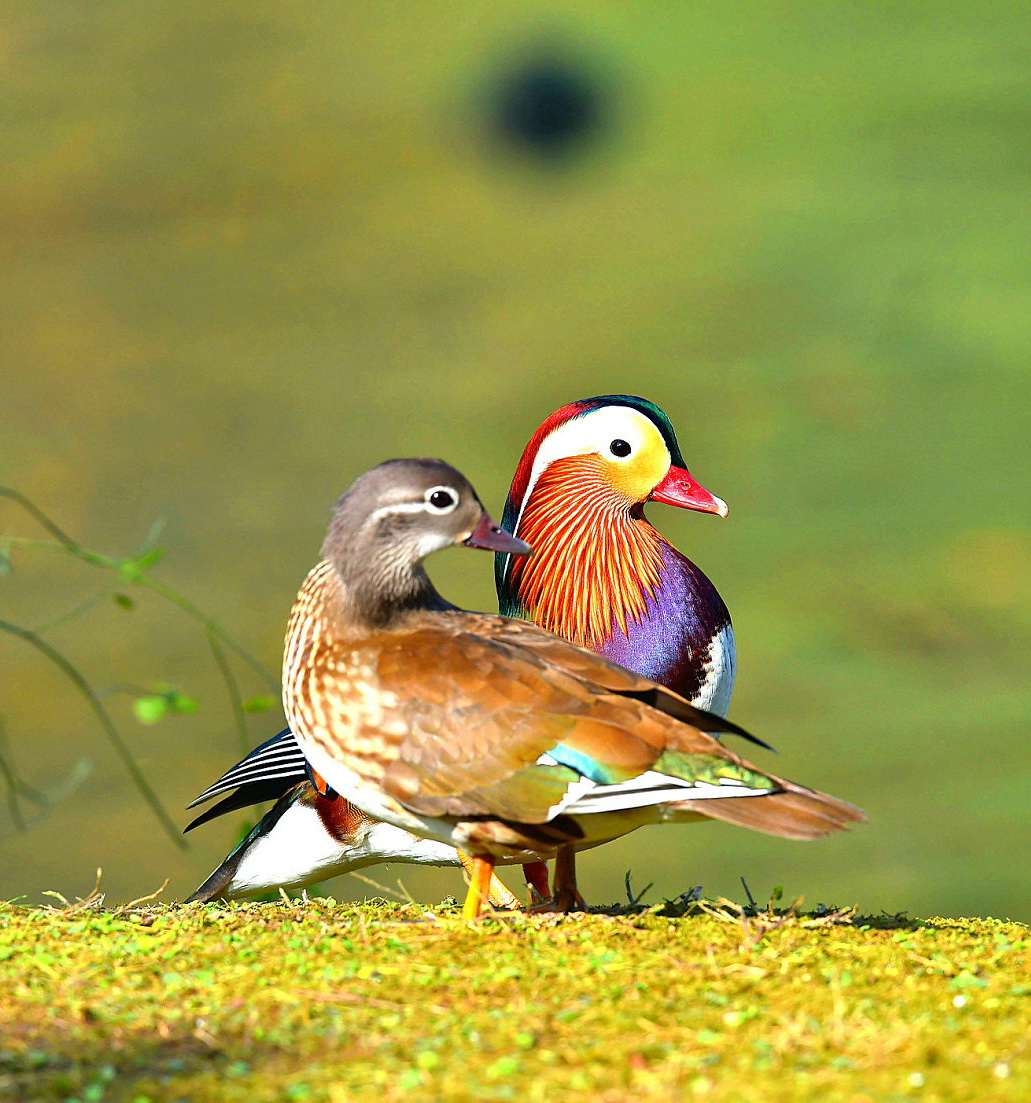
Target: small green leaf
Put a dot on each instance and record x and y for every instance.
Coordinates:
(123, 601)
(179, 702)
(5, 559)
(133, 568)
(149, 710)
(128, 570)
(149, 558)
(156, 529)
(154, 706)
(260, 704)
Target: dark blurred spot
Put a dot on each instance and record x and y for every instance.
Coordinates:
(549, 107)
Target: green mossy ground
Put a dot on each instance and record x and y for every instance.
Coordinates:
(327, 1001)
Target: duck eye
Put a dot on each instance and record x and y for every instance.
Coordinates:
(441, 499)
(619, 448)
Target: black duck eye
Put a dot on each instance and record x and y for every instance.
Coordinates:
(619, 448)
(441, 499)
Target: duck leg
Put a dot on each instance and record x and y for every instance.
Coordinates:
(498, 896)
(566, 896)
(479, 886)
(536, 874)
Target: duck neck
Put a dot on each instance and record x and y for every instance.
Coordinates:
(378, 592)
(596, 560)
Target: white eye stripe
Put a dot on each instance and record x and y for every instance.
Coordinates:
(592, 432)
(423, 506)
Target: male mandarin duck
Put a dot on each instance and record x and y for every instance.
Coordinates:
(485, 732)
(577, 495)
(603, 577)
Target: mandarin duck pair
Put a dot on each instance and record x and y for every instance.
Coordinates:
(423, 733)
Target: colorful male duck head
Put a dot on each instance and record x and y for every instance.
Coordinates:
(622, 444)
(600, 574)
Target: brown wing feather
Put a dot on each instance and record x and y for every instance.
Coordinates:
(449, 713)
(603, 674)
(482, 697)
(793, 813)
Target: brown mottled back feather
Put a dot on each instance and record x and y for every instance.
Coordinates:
(448, 712)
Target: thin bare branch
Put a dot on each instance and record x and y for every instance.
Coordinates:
(15, 786)
(34, 510)
(75, 611)
(108, 725)
(234, 692)
(212, 626)
(143, 899)
(131, 571)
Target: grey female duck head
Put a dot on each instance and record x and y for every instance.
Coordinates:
(389, 520)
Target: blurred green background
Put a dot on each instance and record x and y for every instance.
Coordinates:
(247, 251)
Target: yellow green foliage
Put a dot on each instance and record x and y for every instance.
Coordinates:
(327, 1001)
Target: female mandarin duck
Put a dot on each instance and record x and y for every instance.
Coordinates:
(600, 576)
(485, 732)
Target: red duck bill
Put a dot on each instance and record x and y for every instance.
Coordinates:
(678, 488)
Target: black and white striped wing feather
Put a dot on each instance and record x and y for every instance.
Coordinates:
(268, 772)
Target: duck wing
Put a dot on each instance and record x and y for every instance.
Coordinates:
(476, 716)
